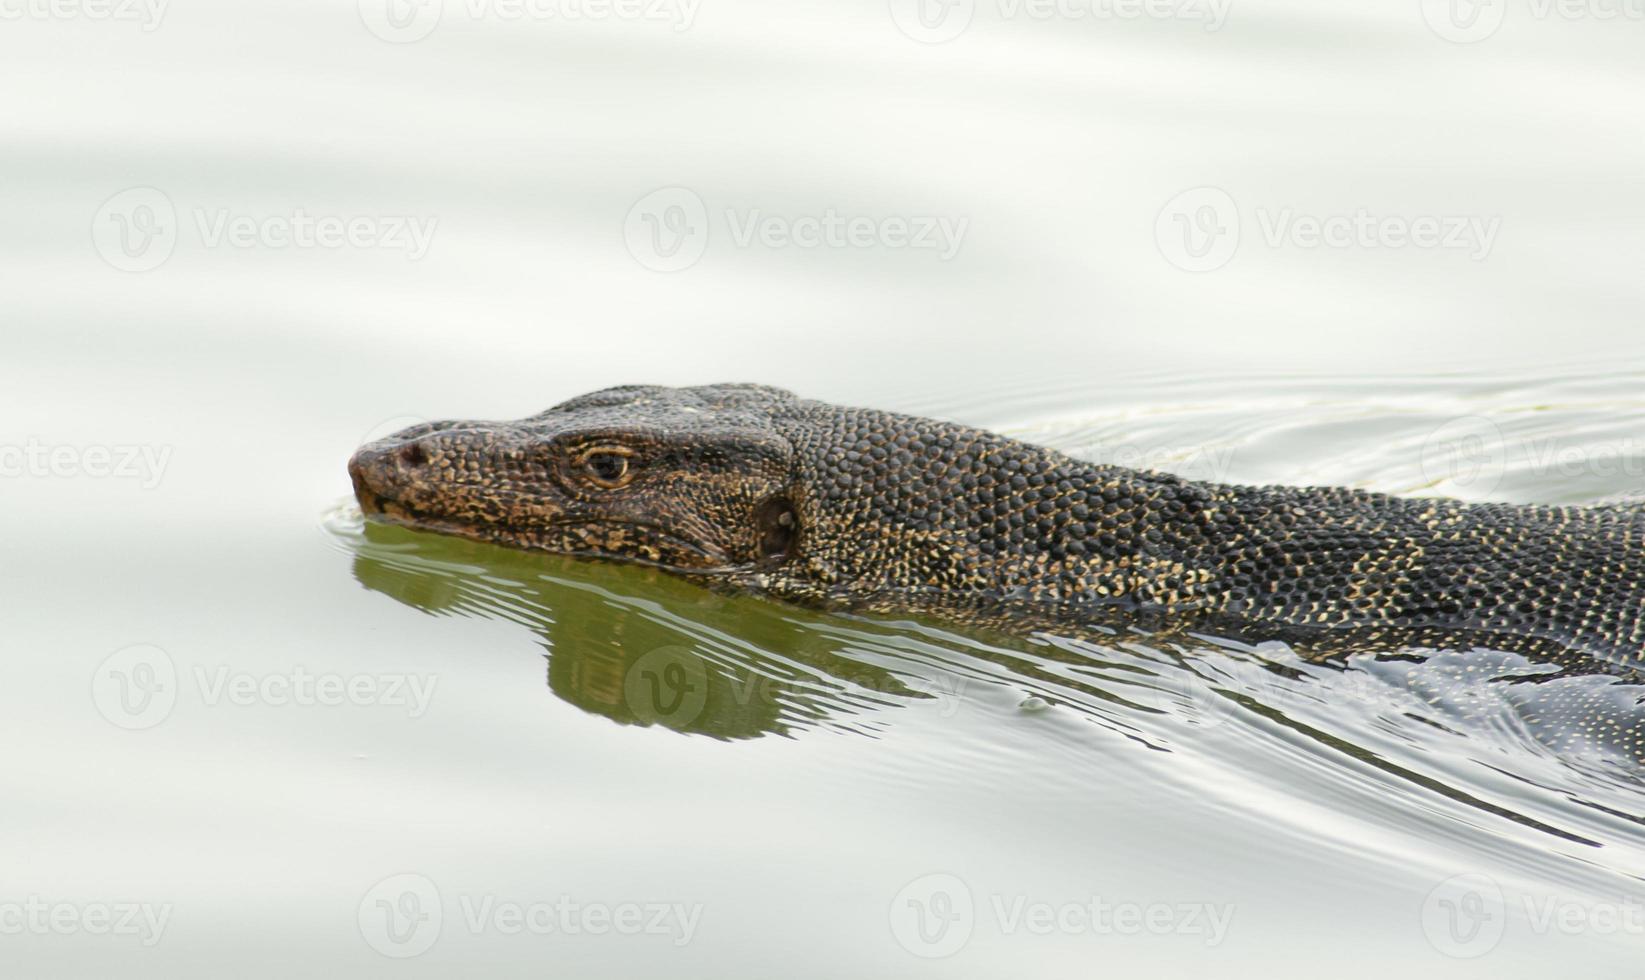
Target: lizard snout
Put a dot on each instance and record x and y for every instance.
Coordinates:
(382, 469)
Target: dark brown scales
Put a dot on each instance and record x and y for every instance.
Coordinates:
(816, 503)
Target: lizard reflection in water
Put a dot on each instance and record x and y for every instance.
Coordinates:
(645, 648)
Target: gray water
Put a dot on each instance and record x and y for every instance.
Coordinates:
(251, 735)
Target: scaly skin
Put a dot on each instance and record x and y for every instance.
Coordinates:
(755, 489)
(749, 488)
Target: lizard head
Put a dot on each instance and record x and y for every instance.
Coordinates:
(690, 479)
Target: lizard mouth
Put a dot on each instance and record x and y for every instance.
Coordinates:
(614, 539)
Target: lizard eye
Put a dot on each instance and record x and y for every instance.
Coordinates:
(778, 528)
(607, 467)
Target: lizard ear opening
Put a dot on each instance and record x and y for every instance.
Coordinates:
(777, 526)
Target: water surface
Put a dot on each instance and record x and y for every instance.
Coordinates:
(290, 739)
(511, 734)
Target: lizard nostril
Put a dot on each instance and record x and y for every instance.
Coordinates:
(413, 454)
